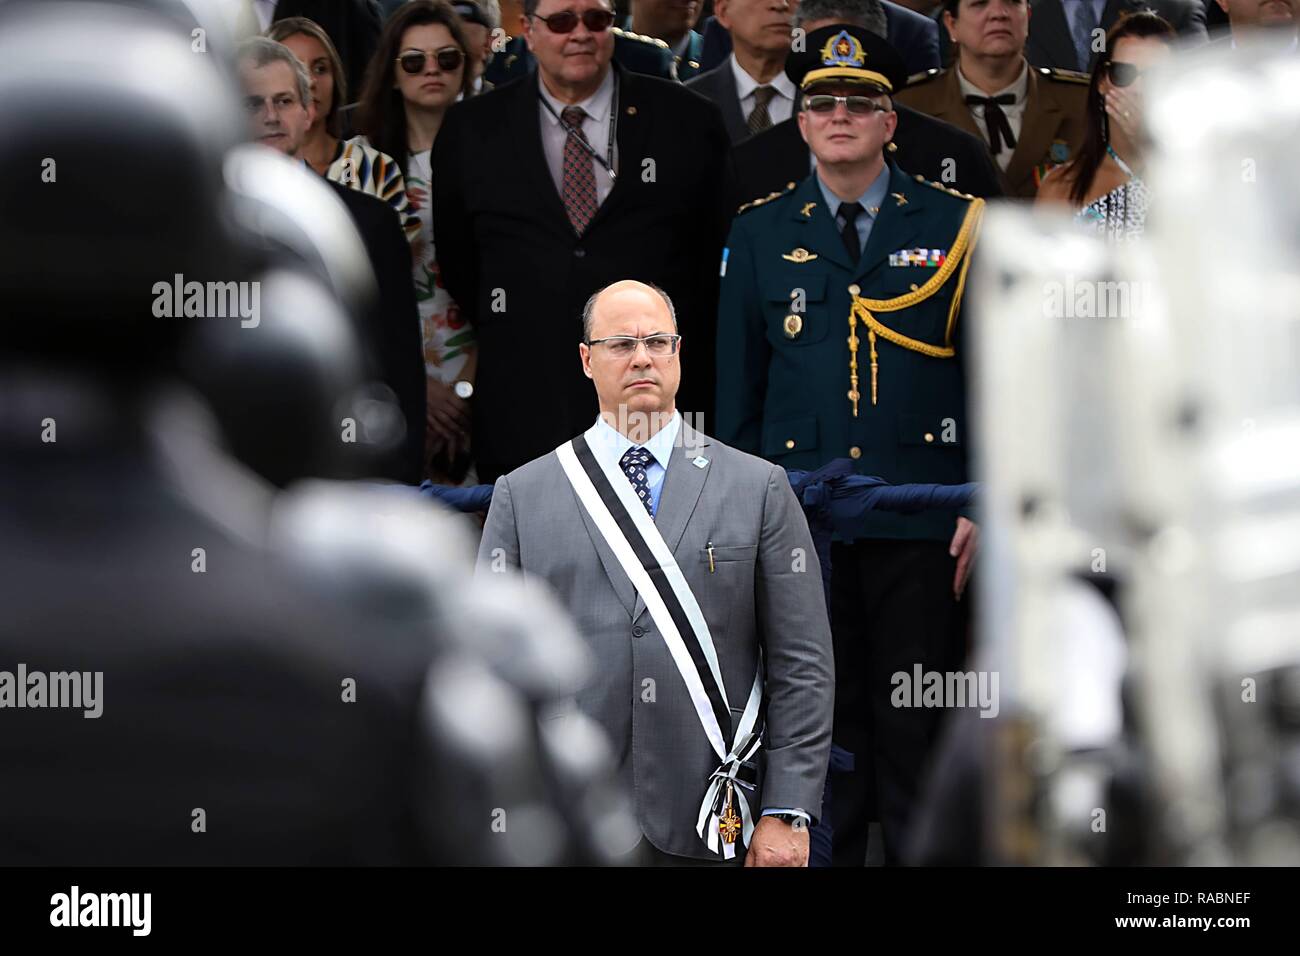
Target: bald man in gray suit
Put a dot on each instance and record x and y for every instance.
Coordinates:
(689, 568)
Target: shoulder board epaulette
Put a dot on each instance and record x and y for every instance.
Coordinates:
(924, 76)
(653, 41)
(768, 198)
(942, 188)
(1065, 76)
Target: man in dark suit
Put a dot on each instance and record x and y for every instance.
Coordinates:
(1062, 32)
(530, 222)
(917, 41)
(750, 86)
(925, 146)
(390, 328)
(353, 27)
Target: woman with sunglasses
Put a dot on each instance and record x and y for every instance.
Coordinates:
(351, 162)
(418, 71)
(1103, 183)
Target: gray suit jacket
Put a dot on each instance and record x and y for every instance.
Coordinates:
(765, 592)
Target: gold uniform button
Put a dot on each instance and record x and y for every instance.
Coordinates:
(929, 437)
(855, 452)
(854, 289)
(789, 443)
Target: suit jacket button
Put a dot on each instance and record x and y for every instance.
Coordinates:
(789, 443)
(579, 252)
(638, 631)
(929, 437)
(855, 452)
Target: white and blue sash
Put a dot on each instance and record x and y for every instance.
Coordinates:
(642, 553)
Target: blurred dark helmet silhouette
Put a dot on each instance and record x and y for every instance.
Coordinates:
(212, 671)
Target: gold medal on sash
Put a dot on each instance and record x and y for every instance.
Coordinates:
(729, 824)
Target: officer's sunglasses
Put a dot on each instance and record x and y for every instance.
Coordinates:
(1122, 74)
(566, 21)
(624, 346)
(826, 103)
(448, 59)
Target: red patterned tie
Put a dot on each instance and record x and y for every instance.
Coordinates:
(579, 173)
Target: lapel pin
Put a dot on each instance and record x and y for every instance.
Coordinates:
(700, 462)
(631, 111)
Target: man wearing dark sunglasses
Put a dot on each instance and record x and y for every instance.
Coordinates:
(552, 186)
(633, 51)
(840, 336)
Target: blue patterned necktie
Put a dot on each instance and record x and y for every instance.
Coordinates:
(634, 463)
(1083, 20)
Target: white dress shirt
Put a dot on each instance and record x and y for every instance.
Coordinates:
(780, 107)
(1015, 112)
(595, 126)
(609, 445)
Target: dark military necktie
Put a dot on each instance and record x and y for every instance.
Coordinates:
(848, 217)
(635, 461)
(759, 118)
(579, 189)
(998, 125)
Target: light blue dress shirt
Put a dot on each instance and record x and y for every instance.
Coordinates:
(871, 199)
(609, 445)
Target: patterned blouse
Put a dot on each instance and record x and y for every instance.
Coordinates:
(1121, 214)
(360, 166)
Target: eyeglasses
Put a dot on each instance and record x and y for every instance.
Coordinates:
(826, 103)
(624, 346)
(1122, 74)
(448, 59)
(566, 21)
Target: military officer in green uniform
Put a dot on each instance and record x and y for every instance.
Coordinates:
(840, 336)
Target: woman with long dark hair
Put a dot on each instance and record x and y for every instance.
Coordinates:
(419, 70)
(1103, 182)
(348, 162)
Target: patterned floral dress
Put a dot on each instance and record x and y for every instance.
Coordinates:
(448, 339)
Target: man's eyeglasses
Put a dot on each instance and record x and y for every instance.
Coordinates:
(448, 59)
(624, 346)
(566, 21)
(1122, 74)
(826, 103)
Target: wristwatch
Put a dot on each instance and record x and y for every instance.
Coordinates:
(463, 389)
